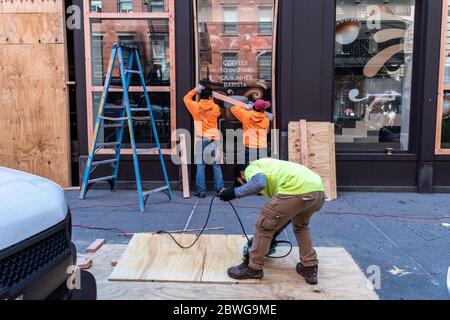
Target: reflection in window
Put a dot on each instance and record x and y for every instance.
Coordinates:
(155, 5)
(230, 64)
(239, 64)
(143, 132)
(445, 129)
(128, 6)
(373, 73)
(96, 5)
(150, 36)
(265, 20)
(265, 66)
(125, 5)
(229, 20)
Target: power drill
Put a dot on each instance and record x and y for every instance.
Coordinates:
(273, 245)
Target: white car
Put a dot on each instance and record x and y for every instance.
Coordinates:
(37, 256)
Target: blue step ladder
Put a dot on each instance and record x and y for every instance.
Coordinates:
(125, 119)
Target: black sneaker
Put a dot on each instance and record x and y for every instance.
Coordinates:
(309, 273)
(200, 195)
(244, 272)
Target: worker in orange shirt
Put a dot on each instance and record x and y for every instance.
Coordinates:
(206, 115)
(256, 124)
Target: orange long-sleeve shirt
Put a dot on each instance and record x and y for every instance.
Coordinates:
(256, 126)
(206, 116)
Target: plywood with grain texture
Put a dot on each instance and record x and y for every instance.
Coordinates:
(339, 279)
(31, 6)
(34, 110)
(31, 28)
(321, 152)
(151, 257)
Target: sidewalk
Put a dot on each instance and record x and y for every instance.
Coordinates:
(406, 235)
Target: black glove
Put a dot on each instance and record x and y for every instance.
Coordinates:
(227, 194)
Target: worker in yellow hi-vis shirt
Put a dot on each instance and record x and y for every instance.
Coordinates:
(296, 194)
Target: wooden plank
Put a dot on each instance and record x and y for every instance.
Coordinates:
(151, 257)
(227, 99)
(29, 6)
(95, 246)
(321, 152)
(339, 279)
(31, 28)
(184, 167)
(304, 157)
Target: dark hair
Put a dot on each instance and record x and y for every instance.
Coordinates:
(237, 173)
(206, 94)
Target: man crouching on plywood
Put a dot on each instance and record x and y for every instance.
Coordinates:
(296, 194)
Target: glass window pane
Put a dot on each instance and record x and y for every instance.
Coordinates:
(144, 136)
(235, 43)
(373, 74)
(129, 6)
(152, 38)
(446, 121)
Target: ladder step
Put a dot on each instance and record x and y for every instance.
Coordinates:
(144, 151)
(139, 109)
(132, 71)
(108, 144)
(101, 179)
(114, 106)
(102, 162)
(112, 126)
(154, 191)
(113, 119)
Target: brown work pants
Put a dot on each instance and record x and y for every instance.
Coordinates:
(276, 214)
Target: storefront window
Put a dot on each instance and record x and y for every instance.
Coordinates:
(151, 37)
(234, 46)
(160, 102)
(149, 25)
(443, 125)
(373, 74)
(129, 6)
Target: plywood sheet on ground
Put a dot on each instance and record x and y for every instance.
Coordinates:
(339, 279)
(321, 151)
(151, 257)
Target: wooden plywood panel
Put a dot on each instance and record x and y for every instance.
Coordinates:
(34, 111)
(33, 133)
(31, 6)
(37, 66)
(321, 152)
(31, 28)
(151, 257)
(158, 258)
(339, 279)
(222, 252)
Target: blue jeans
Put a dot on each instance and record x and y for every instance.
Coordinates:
(201, 166)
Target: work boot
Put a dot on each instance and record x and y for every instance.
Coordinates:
(309, 273)
(200, 195)
(244, 272)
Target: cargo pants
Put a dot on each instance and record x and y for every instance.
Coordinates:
(275, 215)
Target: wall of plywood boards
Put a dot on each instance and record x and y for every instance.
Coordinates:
(34, 110)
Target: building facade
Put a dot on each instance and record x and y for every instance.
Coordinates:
(377, 69)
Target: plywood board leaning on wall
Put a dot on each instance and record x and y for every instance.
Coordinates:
(34, 109)
(321, 151)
